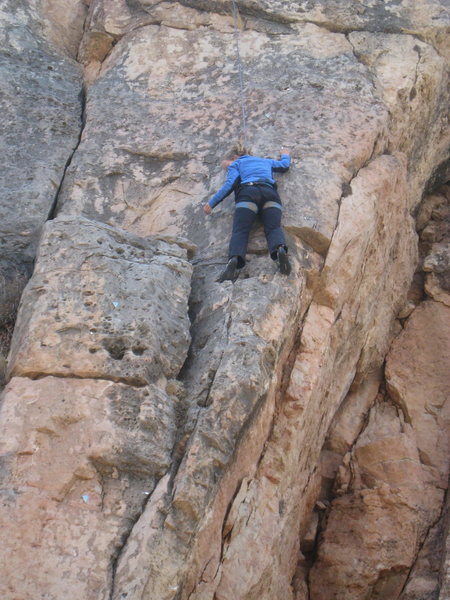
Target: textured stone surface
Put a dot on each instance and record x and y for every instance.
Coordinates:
(375, 529)
(444, 575)
(272, 401)
(41, 117)
(392, 488)
(434, 225)
(417, 378)
(408, 74)
(81, 455)
(63, 22)
(97, 306)
(285, 486)
(424, 578)
(164, 155)
(79, 460)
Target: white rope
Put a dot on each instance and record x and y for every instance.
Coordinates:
(241, 75)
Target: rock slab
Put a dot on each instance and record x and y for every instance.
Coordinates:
(97, 306)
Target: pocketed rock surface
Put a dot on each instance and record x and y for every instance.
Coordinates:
(166, 437)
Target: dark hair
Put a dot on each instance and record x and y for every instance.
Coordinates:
(237, 149)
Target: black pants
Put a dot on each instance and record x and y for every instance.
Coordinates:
(251, 201)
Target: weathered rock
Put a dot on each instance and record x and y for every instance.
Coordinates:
(153, 161)
(417, 378)
(408, 74)
(14, 274)
(423, 581)
(286, 485)
(431, 203)
(374, 531)
(63, 22)
(237, 391)
(97, 306)
(437, 268)
(428, 17)
(444, 575)
(81, 455)
(349, 419)
(434, 222)
(271, 359)
(397, 474)
(41, 114)
(80, 458)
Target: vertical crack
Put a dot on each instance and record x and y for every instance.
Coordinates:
(54, 206)
(114, 560)
(440, 519)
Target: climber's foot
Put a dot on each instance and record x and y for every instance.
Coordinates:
(230, 273)
(283, 262)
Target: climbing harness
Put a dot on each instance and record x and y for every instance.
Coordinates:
(241, 74)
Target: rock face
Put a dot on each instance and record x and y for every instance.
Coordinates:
(41, 106)
(86, 444)
(98, 307)
(392, 491)
(166, 437)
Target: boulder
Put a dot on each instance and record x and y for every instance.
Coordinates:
(97, 306)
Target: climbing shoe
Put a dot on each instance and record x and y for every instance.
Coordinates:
(230, 273)
(283, 262)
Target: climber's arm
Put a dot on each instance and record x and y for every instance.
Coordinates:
(284, 163)
(225, 190)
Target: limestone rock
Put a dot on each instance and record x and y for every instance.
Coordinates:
(80, 458)
(97, 306)
(417, 378)
(230, 451)
(374, 531)
(41, 115)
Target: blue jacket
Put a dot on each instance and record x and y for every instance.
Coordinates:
(247, 169)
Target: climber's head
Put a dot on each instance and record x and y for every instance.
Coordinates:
(235, 151)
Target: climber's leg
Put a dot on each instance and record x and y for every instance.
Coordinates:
(276, 242)
(244, 217)
(283, 262)
(230, 273)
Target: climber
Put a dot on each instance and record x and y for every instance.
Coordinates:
(251, 179)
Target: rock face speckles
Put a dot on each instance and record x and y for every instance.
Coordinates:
(80, 458)
(81, 454)
(41, 108)
(97, 306)
(157, 457)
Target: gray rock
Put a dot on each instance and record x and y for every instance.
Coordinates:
(41, 118)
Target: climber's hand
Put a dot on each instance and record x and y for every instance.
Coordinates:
(285, 151)
(207, 208)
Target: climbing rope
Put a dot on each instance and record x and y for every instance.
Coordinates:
(241, 74)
